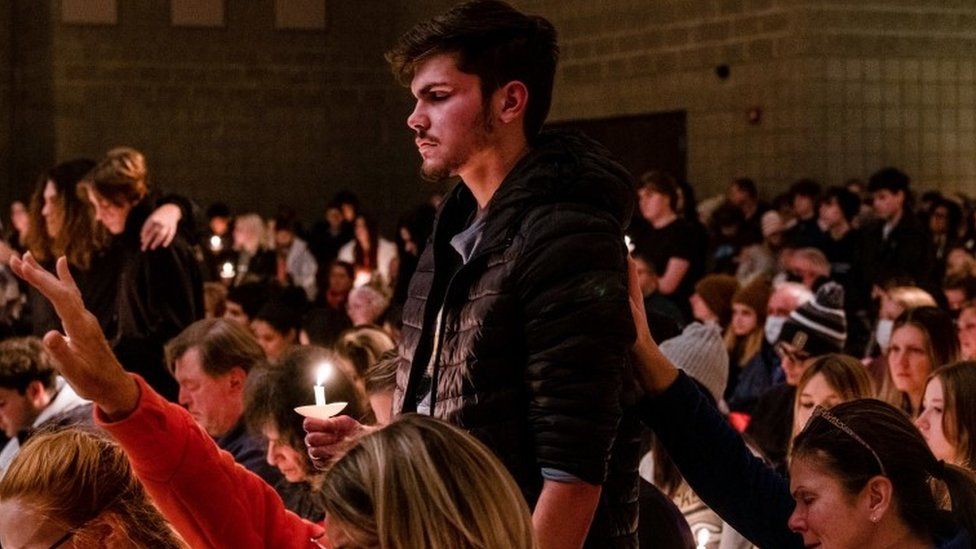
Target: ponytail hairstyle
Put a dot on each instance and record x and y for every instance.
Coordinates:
(859, 440)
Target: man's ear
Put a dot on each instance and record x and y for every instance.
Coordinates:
(512, 100)
(237, 378)
(37, 395)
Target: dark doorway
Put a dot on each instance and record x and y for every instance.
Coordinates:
(641, 143)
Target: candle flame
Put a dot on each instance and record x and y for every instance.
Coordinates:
(215, 242)
(323, 372)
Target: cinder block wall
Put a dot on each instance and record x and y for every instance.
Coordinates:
(258, 116)
(244, 113)
(844, 87)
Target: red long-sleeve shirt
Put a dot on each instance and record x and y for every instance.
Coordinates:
(210, 499)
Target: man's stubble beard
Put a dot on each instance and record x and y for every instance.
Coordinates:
(482, 128)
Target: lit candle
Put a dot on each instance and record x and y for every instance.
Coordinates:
(362, 278)
(227, 270)
(322, 374)
(216, 243)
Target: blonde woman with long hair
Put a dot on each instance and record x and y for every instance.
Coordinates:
(420, 482)
(75, 488)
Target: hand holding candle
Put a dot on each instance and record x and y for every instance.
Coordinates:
(321, 409)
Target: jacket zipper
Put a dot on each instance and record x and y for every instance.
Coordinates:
(439, 323)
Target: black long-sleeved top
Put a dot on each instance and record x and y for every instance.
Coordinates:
(160, 294)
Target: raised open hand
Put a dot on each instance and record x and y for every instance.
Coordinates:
(84, 356)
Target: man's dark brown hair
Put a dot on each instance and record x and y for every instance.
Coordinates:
(223, 345)
(493, 41)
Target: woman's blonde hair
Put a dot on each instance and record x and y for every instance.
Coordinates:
(362, 347)
(76, 478)
(910, 297)
(845, 375)
(749, 345)
(253, 225)
(420, 482)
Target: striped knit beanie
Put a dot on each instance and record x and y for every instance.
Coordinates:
(819, 326)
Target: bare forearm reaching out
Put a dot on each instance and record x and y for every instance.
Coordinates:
(563, 514)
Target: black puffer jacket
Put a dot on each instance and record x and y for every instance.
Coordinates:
(531, 356)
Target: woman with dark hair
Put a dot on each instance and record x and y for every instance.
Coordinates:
(276, 326)
(860, 473)
(944, 220)
(160, 291)
(270, 398)
(62, 223)
(923, 339)
(370, 254)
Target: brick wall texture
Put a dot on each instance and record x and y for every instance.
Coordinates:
(259, 117)
(844, 87)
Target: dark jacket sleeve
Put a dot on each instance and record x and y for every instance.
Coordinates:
(751, 497)
(572, 287)
(171, 288)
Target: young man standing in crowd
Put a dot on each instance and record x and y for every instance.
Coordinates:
(518, 324)
(897, 246)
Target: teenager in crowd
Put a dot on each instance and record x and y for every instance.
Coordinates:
(764, 371)
(276, 327)
(712, 300)
(859, 473)
(699, 351)
(160, 291)
(744, 336)
(948, 418)
(923, 339)
(255, 261)
(370, 254)
(966, 326)
(829, 381)
(666, 240)
(814, 329)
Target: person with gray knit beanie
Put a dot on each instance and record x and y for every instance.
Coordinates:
(700, 352)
